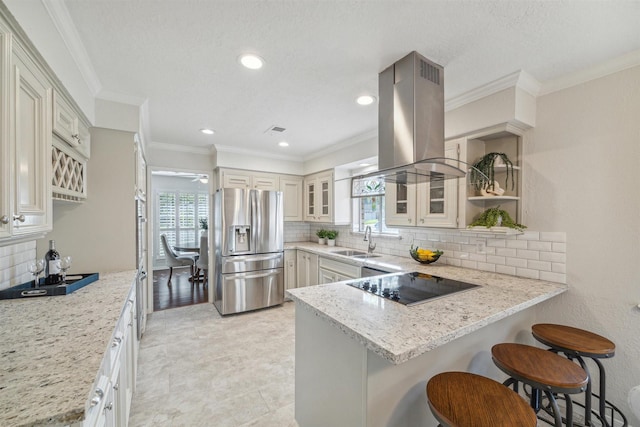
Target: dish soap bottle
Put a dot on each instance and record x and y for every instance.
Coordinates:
(52, 265)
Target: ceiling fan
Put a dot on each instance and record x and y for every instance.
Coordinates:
(202, 178)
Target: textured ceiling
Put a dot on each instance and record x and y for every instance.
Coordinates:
(320, 55)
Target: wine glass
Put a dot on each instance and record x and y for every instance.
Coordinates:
(65, 264)
(36, 267)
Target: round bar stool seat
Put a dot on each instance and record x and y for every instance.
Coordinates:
(545, 371)
(576, 344)
(461, 399)
(573, 341)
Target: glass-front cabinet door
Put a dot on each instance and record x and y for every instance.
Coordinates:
(400, 203)
(310, 200)
(438, 199)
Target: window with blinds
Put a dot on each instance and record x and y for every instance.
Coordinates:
(179, 216)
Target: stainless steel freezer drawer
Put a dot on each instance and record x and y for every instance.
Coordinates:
(240, 292)
(245, 263)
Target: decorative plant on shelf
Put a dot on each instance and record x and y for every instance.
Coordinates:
(483, 171)
(204, 223)
(496, 217)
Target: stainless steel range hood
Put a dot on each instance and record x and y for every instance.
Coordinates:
(411, 123)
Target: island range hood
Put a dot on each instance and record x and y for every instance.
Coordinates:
(411, 124)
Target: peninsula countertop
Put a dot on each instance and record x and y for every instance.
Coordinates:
(51, 349)
(399, 333)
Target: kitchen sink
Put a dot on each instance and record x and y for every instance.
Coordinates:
(350, 253)
(355, 254)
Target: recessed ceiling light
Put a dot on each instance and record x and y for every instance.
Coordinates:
(365, 99)
(283, 144)
(251, 61)
(208, 131)
(364, 164)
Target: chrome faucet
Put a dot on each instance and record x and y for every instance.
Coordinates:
(371, 246)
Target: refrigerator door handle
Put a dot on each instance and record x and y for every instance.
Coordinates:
(251, 276)
(253, 258)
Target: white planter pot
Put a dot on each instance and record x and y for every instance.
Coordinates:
(322, 240)
(331, 242)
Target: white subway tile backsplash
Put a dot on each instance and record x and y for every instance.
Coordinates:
(531, 254)
(510, 252)
(13, 263)
(505, 269)
(516, 262)
(539, 265)
(527, 254)
(528, 273)
(516, 244)
(529, 235)
(536, 245)
(498, 260)
(558, 257)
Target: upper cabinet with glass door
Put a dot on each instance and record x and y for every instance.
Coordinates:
(437, 200)
(400, 202)
(318, 197)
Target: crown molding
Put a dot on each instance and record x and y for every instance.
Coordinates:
(245, 151)
(629, 60)
(520, 79)
(180, 148)
(373, 133)
(121, 98)
(61, 19)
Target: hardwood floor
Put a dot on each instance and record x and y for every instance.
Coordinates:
(180, 292)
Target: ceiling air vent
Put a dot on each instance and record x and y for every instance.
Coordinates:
(278, 129)
(429, 72)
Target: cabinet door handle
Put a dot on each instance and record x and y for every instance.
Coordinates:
(97, 397)
(20, 217)
(4, 219)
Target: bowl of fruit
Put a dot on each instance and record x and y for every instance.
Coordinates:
(424, 256)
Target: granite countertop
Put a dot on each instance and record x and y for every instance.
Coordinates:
(399, 333)
(51, 349)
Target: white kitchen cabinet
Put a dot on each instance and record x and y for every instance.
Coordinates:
(307, 265)
(330, 270)
(318, 197)
(437, 200)
(400, 202)
(248, 179)
(68, 172)
(109, 403)
(69, 126)
(30, 140)
(290, 270)
(291, 187)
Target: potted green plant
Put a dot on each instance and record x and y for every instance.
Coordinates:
(204, 224)
(331, 237)
(322, 236)
(496, 217)
(482, 174)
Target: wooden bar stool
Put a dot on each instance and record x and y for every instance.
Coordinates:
(579, 344)
(461, 399)
(545, 372)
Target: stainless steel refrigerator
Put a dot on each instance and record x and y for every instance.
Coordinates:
(249, 249)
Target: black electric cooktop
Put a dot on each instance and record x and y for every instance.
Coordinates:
(410, 288)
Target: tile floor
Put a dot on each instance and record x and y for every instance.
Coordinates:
(197, 368)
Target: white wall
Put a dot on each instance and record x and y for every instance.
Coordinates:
(100, 233)
(581, 176)
(257, 162)
(175, 157)
(340, 154)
